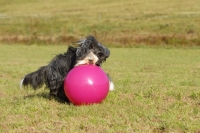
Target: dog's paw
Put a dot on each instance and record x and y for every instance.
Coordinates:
(111, 86)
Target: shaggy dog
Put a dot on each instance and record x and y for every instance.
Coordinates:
(87, 51)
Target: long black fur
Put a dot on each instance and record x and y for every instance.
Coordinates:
(55, 72)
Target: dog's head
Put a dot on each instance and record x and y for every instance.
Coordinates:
(90, 51)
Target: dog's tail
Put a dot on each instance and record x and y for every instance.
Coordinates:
(35, 79)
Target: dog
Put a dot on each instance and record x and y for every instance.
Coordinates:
(86, 51)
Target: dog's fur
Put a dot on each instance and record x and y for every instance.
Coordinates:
(88, 51)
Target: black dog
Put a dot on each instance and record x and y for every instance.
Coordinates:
(88, 51)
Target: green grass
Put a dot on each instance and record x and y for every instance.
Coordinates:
(157, 90)
(117, 23)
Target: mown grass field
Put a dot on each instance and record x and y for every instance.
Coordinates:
(157, 90)
(119, 23)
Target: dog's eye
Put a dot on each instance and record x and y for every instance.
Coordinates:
(91, 47)
(100, 54)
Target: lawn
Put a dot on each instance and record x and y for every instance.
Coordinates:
(156, 78)
(156, 90)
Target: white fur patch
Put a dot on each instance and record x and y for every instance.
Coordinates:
(91, 58)
(80, 62)
(21, 83)
(112, 87)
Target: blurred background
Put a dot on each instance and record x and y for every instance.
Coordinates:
(116, 23)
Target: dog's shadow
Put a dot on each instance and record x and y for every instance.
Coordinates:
(46, 96)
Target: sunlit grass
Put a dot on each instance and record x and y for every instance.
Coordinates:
(157, 90)
(117, 23)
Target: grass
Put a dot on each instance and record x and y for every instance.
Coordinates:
(157, 90)
(117, 23)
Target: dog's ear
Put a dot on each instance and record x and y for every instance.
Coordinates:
(80, 46)
(78, 51)
(105, 50)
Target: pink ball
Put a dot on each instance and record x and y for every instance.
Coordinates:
(86, 84)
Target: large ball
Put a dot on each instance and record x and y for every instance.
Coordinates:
(86, 84)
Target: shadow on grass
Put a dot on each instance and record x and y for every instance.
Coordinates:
(47, 96)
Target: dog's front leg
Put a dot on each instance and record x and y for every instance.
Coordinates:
(111, 84)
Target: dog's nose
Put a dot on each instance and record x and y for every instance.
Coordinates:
(90, 61)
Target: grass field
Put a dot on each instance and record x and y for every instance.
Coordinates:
(119, 23)
(157, 90)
